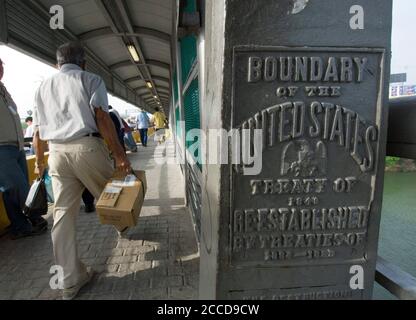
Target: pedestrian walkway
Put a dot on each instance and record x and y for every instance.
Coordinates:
(157, 260)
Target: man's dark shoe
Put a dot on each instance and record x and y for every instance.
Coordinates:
(89, 208)
(39, 223)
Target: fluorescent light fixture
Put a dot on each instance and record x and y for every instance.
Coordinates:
(149, 84)
(133, 52)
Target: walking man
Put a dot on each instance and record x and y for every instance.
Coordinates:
(29, 130)
(128, 137)
(29, 133)
(118, 123)
(160, 122)
(14, 184)
(143, 124)
(71, 113)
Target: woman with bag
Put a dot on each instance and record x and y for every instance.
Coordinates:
(14, 183)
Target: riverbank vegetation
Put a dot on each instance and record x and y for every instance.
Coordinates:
(395, 164)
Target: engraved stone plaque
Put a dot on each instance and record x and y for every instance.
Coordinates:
(303, 94)
(319, 112)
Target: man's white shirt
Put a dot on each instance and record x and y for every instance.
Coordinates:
(65, 104)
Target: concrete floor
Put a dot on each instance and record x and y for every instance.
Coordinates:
(159, 260)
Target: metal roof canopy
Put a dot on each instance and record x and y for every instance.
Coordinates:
(106, 27)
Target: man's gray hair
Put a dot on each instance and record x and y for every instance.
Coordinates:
(71, 52)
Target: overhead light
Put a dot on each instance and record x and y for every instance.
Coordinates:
(155, 97)
(133, 52)
(149, 84)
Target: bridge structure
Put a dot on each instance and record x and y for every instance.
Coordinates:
(170, 54)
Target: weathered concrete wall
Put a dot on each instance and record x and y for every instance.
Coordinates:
(211, 118)
(295, 230)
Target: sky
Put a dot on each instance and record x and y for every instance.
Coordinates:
(403, 39)
(22, 81)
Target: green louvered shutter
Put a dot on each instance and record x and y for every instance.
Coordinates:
(190, 6)
(175, 87)
(192, 112)
(189, 50)
(188, 55)
(178, 120)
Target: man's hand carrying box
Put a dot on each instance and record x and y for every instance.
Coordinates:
(122, 200)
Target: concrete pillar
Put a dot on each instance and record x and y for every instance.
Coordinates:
(313, 76)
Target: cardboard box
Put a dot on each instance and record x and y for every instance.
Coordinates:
(122, 200)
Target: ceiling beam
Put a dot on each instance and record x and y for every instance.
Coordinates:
(103, 33)
(161, 90)
(39, 9)
(108, 10)
(156, 78)
(161, 87)
(160, 64)
(164, 90)
(126, 19)
(149, 96)
(164, 99)
(164, 95)
(150, 62)
(117, 15)
(154, 104)
(154, 101)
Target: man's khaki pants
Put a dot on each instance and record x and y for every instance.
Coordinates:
(74, 166)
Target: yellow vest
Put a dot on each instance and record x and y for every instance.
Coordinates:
(159, 120)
